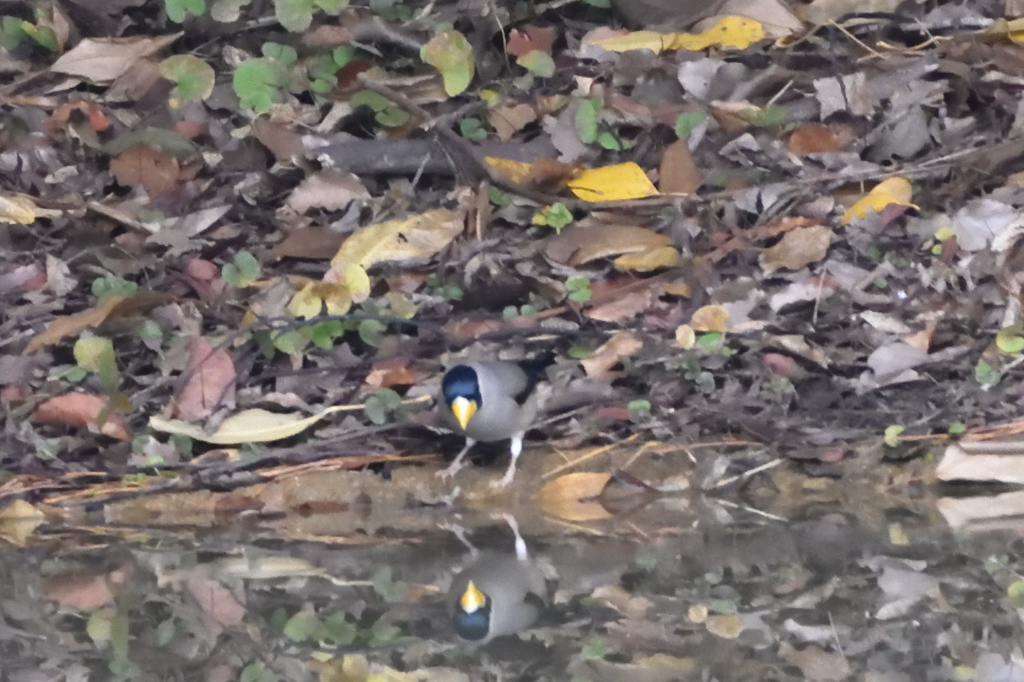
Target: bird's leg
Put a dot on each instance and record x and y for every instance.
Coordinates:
(454, 467)
(521, 552)
(510, 473)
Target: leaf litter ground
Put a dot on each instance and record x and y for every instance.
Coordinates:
(788, 238)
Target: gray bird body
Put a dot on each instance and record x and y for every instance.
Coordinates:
(499, 416)
(503, 400)
(515, 588)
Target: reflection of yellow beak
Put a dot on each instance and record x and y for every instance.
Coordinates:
(463, 409)
(472, 598)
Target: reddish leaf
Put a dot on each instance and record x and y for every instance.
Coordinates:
(211, 381)
(81, 410)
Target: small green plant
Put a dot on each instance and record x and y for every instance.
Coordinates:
(892, 435)
(381, 405)
(639, 410)
(557, 216)
(14, 31)
(578, 289)
(472, 128)
(104, 287)
(511, 312)
(178, 10)
(686, 123)
(242, 271)
(384, 112)
(591, 130)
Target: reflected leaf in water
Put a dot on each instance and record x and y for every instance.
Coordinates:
(496, 594)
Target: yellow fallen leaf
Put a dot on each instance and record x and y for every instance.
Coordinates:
(516, 171)
(649, 259)
(738, 32)
(709, 318)
(17, 208)
(892, 191)
(248, 426)
(418, 236)
(572, 497)
(613, 183)
(18, 520)
(306, 303)
(254, 426)
(637, 40)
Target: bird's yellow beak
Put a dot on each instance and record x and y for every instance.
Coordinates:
(472, 598)
(463, 409)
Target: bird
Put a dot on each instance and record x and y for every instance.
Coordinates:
(489, 401)
(497, 594)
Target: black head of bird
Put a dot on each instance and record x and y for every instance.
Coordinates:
(461, 390)
(472, 617)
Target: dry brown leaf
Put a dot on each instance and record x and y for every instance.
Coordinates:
(419, 236)
(393, 372)
(330, 190)
(812, 138)
(216, 601)
(678, 172)
(573, 497)
(621, 344)
(726, 626)
(211, 381)
(590, 240)
(797, 249)
(624, 307)
(81, 410)
(710, 318)
(508, 120)
(101, 60)
(78, 592)
(283, 142)
(72, 324)
(148, 166)
(649, 259)
(309, 242)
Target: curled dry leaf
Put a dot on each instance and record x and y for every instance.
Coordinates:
(148, 166)
(710, 318)
(678, 172)
(797, 249)
(419, 236)
(211, 381)
(81, 410)
(590, 240)
(330, 190)
(101, 60)
(573, 497)
(248, 426)
(621, 344)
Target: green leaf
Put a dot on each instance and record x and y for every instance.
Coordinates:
(639, 409)
(380, 405)
(383, 633)
(332, 7)
(1009, 340)
(686, 123)
(343, 55)
(339, 630)
(391, 590)
(177, 10)
(227, 11)
(585, 121)
(392, 117)
(558, 216)
(193, 78)
(368, 98)
(257, 83)
(609, 141)
(892, 435)
(450, 53)
(472, 129)
(242, 271)
(986, 375)
(603, 4)
(956, 428)
(294, 15)
(538, 62)
(110, 285)
(42, 35)
(577, 283)
(290, 342)
(11, 32)
(284, 54)
(303, 626)
(256, 672)
(371, 331)
(596, 648)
